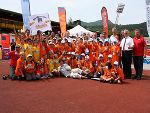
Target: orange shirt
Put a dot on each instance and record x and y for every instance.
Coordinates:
(119, 72)
(107, 73)
(18, 41)
(81, 63)
(20, 65)
(51, 48)
(100, 49)
(115, 50)
(29, 66)
(73, 63)
(106, 52)
(43, 49)
(89, 65)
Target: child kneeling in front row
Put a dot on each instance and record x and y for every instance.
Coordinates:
(29, 68)
(117, 73)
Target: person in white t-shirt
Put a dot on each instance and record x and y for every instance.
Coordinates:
(113, 37)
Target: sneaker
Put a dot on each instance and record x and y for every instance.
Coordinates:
(119, 81)
(138, 78)
(111, 81)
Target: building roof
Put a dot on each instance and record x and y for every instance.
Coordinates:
(10, 15)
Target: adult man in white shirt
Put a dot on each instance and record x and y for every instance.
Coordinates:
(113, 38)
(127, 45)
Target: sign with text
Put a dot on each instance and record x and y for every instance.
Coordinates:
(39, 22)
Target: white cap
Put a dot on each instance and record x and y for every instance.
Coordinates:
(72, 53)
(63, 41)
(87, 57)
(29, 55)
(101, 56)
(90, 40)
(82, 54)
(50, 42)
(116, 63)
(69, 40)
(54, 38)
(109, 56)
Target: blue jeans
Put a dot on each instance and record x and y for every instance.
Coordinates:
(12, 72)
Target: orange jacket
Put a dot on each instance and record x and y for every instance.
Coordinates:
(20, 66)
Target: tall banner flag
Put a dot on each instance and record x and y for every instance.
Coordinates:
(26, 13)
(104, 15)
(148, 15)
(39, 22)
(62, 19)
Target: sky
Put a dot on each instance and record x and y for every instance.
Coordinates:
(85, 10)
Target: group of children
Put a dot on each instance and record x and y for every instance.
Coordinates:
(40, 57)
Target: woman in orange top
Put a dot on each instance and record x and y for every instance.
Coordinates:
(19, 72)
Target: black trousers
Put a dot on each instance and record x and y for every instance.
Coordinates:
(138, 65)
(126, 61)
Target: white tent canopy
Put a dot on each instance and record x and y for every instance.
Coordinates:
(79, 30)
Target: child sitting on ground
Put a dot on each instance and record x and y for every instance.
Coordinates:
(117, 73)
(107, 77)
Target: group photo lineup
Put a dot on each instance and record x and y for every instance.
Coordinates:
(55, 55)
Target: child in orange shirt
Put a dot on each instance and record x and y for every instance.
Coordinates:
(88, 66)
(107, 77)
(82, 61)
(72, 62)
(101, 66)
(106, 51)
(19, 72)
(29, 68)
(117, 73)
(115, 51)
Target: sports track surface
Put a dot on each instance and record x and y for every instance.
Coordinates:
(66, 95)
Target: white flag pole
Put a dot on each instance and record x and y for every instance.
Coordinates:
(148, 16)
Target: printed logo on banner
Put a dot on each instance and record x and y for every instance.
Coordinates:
(39, 22)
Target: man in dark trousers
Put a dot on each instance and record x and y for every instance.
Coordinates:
(127, 45)
(139, 53)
